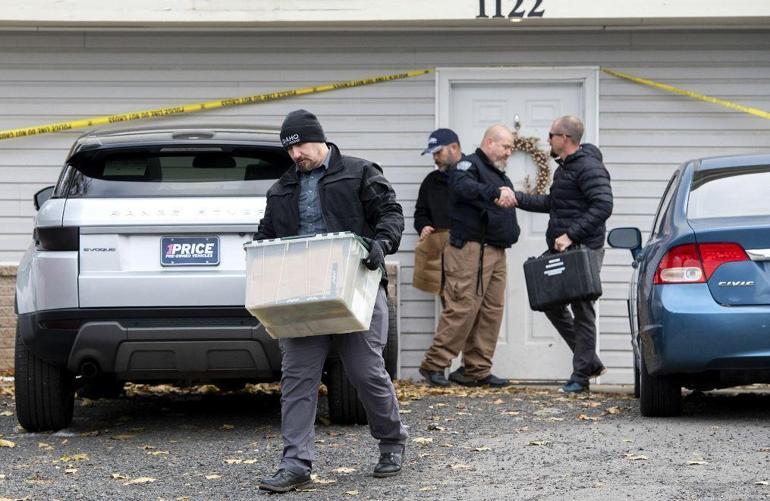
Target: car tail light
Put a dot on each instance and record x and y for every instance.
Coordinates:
(695, 263)
(714, 255)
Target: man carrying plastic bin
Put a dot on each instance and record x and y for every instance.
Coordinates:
(323, 192)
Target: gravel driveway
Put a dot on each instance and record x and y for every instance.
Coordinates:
(516, 443)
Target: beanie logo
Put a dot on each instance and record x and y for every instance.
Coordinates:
(290, 140)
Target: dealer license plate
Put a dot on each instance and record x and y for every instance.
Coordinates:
(189, 251)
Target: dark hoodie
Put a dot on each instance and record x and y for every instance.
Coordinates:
(579, 201)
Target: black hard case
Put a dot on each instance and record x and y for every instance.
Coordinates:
(563, 277)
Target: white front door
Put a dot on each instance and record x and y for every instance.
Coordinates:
(529, 348)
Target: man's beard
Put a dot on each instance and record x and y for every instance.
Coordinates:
(500, 164)
(554, 154)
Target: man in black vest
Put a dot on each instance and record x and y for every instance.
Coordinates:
(579, 203)
(474, 264)
(326, 191)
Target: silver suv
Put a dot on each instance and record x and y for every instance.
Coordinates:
(136, 272)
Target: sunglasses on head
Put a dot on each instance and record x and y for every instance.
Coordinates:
(551, 134)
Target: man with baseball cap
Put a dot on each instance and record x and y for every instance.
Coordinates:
(324, 192)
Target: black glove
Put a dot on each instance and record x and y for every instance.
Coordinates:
(376, 257)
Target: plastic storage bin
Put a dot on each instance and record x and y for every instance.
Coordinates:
(307, 286)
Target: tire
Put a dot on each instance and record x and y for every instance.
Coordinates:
(45, 394)
(390, 353)
(636, 378)
(344, 406)
(659, 396)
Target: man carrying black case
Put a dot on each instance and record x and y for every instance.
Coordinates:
(579, 203)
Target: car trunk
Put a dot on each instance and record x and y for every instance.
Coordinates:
(163, 252)
(739, 283)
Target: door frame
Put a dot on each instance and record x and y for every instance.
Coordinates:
(585, 76)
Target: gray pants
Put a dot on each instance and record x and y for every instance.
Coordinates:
(361, 356)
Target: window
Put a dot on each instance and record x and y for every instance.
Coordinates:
(168, 172)
(665, 201)
(730, 192)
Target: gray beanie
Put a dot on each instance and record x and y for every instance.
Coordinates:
(301, 126)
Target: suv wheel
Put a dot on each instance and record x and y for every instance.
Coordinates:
(390, 353)
(344, 406)
(660, 396)
(45, 394)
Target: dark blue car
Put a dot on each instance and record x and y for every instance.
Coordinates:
(699, 303)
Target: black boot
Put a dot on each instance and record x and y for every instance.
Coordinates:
(389, 464)
(284, 481)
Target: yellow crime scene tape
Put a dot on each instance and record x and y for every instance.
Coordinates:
(211, 105)
(274, 96)
(694, 95)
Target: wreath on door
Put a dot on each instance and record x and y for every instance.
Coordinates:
(541, 159)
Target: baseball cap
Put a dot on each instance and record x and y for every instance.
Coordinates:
(440, 138)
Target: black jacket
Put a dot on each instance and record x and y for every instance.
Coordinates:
(474, 185)
(579, 201)
(432, 207)
(354, 196)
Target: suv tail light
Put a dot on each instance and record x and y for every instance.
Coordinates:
(695, 263)
(57, 238)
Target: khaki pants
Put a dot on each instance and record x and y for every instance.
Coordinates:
(471, 318)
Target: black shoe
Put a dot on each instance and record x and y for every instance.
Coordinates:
(460, 378)
(434, 378)
(389, 465)
(493, 381)
(574, 388)
(284, 481)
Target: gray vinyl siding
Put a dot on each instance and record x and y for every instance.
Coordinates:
(644, 133)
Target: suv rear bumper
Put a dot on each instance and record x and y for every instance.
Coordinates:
(158, 344)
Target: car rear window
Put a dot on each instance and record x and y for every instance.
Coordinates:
(730, 192)
(169, 171)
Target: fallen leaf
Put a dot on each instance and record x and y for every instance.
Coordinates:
(7, 443)
(585, 417)
(613, 410)
(351, 493)
(233, 461)
(510, 413)
(460, 466)
(762, 482)
(119, 476)
(428, 488)
(158, 453)
(126, 436)
(321, 481)
(764, 449)
(228, 427)
(422, 440)
(344, 469)
(498, 401)
(696, 462)
(539, 442)
(44, 446)
(555, 419)
(140, 480)
(213, 477)
(6, 413)
(75, 457)
(70, 471)
(89, 433)
(482, 449)
(405, 411)
(635, 457)
(435, 427)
